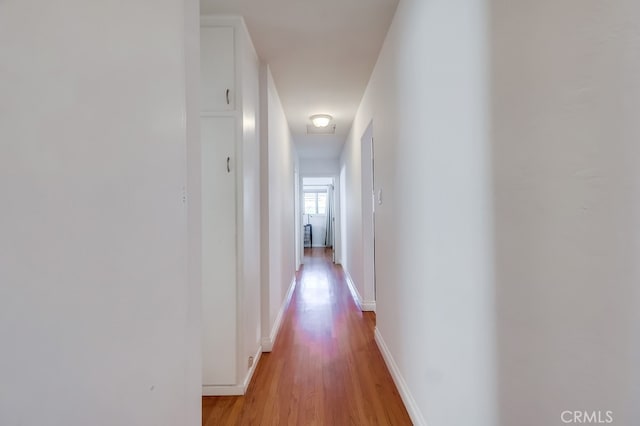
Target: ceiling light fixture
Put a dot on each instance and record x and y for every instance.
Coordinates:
(321, 120)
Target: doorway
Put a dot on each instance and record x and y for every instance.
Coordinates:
(318, 213)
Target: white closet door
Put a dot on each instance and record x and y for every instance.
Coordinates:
(218, 250)
(217, 68)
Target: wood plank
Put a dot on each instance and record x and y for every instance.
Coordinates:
(325, 367)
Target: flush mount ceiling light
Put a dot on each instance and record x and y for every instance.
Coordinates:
(321, 120)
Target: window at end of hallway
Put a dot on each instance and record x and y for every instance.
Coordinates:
(315, 202)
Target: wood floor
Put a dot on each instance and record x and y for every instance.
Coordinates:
(325, 368)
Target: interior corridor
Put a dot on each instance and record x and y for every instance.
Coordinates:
(325, 367)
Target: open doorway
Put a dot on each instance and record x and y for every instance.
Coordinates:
(318, 209)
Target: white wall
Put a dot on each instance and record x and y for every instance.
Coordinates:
(194, 213)
(566, 149)
(351, 226)
(317, 181)
(367, 223)
(96, 319)
(278, 239)
(342, 228)
(506, 155)
(298, 245)
(319, 167)
(428, 102)
(250, 321)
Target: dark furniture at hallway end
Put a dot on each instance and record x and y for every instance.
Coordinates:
(308, 235)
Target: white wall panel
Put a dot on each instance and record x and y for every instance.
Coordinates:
(94, 300)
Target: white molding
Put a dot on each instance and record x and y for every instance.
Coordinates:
(233, 390)
(222, 390)
(412, 408)
(363, 305)
(352, 289)
(369, 306)
(268, 342)
(252, 369)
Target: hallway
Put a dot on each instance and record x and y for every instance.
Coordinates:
(325, 368)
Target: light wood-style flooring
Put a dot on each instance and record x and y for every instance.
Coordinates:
(325, 368)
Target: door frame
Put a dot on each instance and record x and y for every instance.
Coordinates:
(337, 237)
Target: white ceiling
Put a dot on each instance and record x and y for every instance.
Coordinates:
(321, 54)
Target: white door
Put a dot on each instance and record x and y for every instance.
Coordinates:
(218, 250)
(217, 69)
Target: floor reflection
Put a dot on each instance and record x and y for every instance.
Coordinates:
(325, 367)
(316, 295)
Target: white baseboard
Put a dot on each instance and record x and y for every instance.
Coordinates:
(367, 305)
(352, 289)
(220, 390)
(410, 403)
(252, 369)
(268, 342)
(231, 390)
